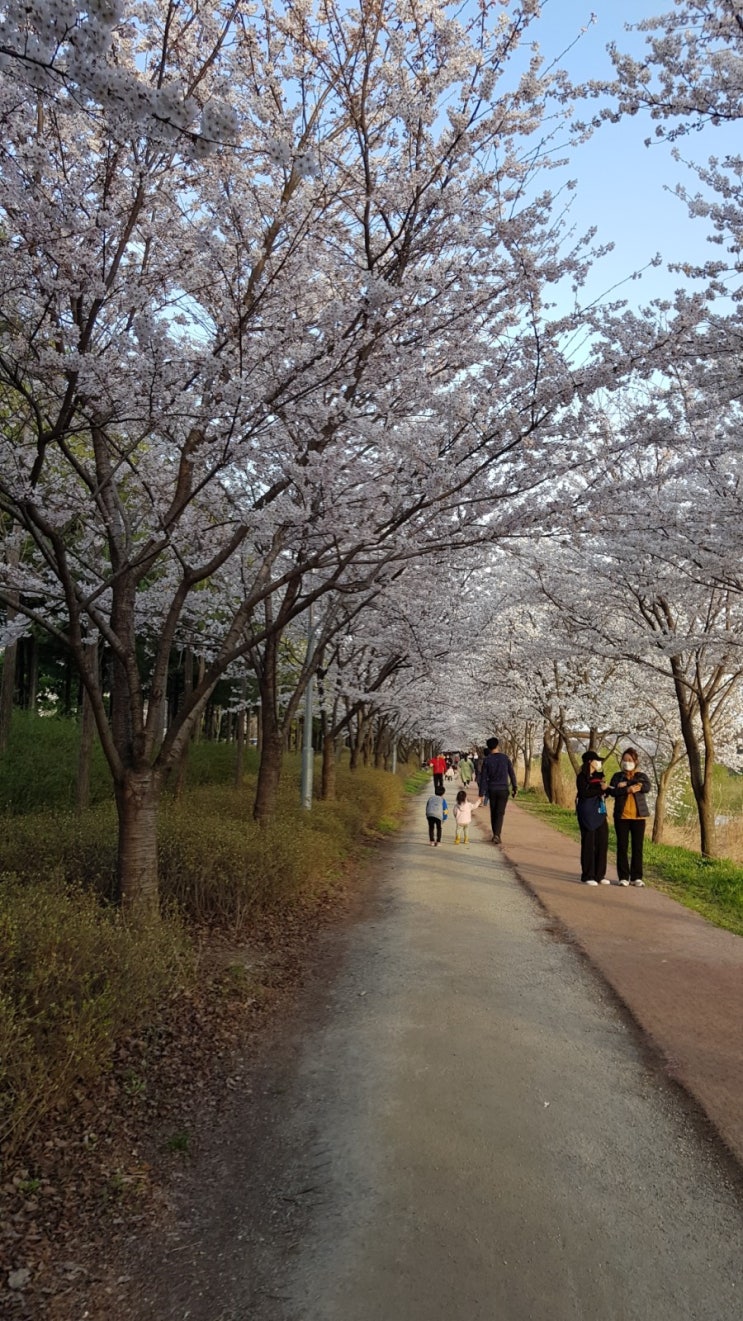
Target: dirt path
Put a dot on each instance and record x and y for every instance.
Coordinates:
(458, 1124)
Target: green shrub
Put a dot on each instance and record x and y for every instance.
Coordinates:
(81, 848)
(73, 978)
(214, 763)
(39, 767)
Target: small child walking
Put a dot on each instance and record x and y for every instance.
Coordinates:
(462, 816)
(436, 813)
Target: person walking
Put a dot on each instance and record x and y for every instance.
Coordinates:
(463, 817)
(497, 771)
(438, 766)
(436, 813)
(594, 826)
(629, 789)
(465, 771)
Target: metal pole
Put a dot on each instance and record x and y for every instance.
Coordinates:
(394, 758)
(308, 763)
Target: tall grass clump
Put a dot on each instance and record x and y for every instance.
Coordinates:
(74, 977)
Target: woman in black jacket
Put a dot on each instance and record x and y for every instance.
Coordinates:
(629, 789)
(594, 827)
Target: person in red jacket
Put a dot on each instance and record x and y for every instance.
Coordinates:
(438, 766)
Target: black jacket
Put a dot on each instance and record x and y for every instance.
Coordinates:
(620, 795)
(496, 772)
(589, 801)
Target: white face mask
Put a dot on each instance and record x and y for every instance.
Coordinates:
(596, 766)
(628, 765)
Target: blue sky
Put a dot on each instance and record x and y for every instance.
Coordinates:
(624, 187)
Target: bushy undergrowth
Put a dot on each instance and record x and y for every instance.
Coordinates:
(80, 849)
(73, 978)
(219, 865)
(711, 886)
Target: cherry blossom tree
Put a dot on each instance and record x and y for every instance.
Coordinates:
(252, 357)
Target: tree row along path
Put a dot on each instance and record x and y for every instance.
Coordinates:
(460, 1122)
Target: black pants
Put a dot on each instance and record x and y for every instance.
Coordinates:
(634, 830)
(594, 845)
(438, 780)
(498, 799)
(434, 821)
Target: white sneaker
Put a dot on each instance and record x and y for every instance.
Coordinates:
(591, 882)
(640, 884)
(624, 882)
(605, 881)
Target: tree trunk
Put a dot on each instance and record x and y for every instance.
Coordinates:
(528, 753)
(355, 740)
(663, 784)
(136, 803)
(240, 752)
(272, 739)
(27, 672)
(7, 693)
(700, 774)
(661, 798)
(7, 688)
(554, 785)
(182, 769)
(379, 743)
(327, 781)
(269, 774)
(87, 737)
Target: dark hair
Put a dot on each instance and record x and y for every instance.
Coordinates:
(590, 755)
(631, 752)
(462, 796)
(439, 791)
(491, 744)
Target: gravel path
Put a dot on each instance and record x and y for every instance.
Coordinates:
(459, 1124)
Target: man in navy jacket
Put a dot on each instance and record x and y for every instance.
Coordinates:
(497, 771)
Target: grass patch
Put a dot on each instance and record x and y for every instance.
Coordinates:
(416, 780)
(710, 886)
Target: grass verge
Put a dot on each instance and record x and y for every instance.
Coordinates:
(710, 886)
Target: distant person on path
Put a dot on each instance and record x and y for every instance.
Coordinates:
(594, 826)
(438, 766)
(463, 817)
(497, 771)
(465, 771)
(629, 789)
(436, 814)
